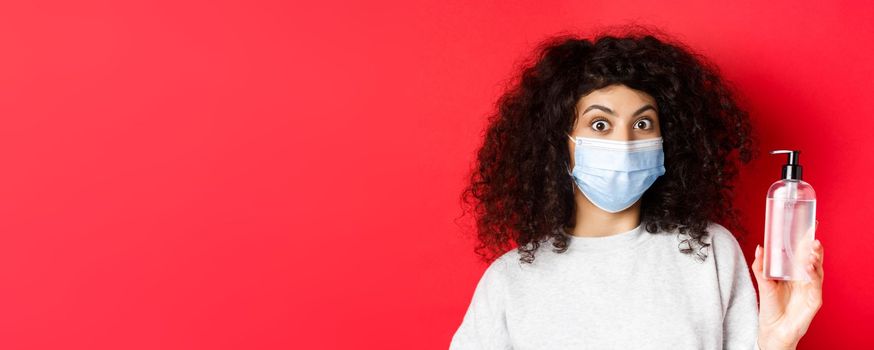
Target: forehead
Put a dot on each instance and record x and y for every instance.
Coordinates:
(616, 97)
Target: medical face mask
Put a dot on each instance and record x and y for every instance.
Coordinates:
(613, 175)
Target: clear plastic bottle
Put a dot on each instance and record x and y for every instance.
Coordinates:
(790, 219)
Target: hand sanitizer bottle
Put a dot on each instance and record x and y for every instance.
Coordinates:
(790, 216)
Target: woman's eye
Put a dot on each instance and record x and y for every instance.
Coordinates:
(643, 124)
(600, 125)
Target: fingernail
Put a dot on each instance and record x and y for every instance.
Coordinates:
(758, 249)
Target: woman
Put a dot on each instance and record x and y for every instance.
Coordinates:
(609, 164)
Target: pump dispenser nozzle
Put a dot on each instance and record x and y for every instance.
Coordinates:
(792, 168)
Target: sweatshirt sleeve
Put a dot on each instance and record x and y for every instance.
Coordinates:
(484, 324)
(741, 318)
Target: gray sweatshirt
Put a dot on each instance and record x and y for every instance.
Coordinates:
(631, 290)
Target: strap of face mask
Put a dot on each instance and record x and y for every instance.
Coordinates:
(571, 174)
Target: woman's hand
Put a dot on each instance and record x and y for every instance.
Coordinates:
(786, 308)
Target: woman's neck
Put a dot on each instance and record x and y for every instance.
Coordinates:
(591, 221)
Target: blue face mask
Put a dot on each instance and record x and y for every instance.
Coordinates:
(613, 175)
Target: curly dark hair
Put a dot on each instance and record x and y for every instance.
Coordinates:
(518, 188)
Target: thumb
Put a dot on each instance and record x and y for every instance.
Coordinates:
(757, 265)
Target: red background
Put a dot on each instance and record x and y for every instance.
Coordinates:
(266, 174)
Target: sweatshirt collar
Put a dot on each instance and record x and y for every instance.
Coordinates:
(618, 240)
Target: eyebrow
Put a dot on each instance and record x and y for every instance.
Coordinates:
(608, 110)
